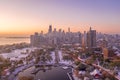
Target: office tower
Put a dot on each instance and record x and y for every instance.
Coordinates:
(68, 29)
(91, 38)
(50, 29)
(34, 39)
(41, 33)
(55, 37)
(84, 39)
(54, 30)
(60, 30)
(79, 38)
(105, 41)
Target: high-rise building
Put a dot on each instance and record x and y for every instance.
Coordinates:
(84, 39)
(55, 37)
(54, 30)
(91, 38)
(50, 29)
(34, 39)
(69, 29)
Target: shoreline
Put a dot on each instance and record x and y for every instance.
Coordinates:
(8, 48)
(16, 37)
(13, 40)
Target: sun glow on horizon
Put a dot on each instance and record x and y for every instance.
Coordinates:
(21, 17)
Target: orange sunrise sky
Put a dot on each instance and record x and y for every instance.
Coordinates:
(24, 17)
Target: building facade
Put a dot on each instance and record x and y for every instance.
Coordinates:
(55, 37)
(91, 38)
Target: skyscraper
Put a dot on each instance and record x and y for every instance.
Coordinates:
(69, 29)
(84, 39)
(91, 38)
(54, 37)
(50, 29)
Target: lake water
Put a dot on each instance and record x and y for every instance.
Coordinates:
(56, 73)
(4, 41)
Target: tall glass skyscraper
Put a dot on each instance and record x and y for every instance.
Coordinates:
(91, 38)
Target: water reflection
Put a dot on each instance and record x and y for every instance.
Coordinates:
(47, 73)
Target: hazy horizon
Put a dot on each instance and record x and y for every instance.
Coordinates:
(24, 17)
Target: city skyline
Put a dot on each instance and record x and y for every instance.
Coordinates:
(26, 17)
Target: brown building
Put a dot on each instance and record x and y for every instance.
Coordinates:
(108, 53)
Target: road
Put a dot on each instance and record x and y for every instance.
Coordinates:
(102, 68)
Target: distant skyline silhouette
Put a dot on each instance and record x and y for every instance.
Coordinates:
(20, 17)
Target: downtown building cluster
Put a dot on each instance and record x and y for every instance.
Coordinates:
(60, 37)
